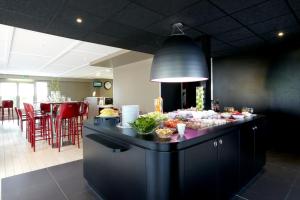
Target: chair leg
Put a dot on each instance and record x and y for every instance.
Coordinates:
(2, 118)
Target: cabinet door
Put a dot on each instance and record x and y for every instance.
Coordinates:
(113, 170)
(200, 171)
(246, 154)
(260, 145)
(228, 148)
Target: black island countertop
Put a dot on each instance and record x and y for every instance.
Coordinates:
(153, 142)
(211, 163)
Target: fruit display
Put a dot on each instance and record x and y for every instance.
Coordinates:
(108, 112)
(199, 98)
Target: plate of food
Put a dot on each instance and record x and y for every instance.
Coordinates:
(226, 115)
(238, 116)
(108, 113)
(164, 133)
(172, 123)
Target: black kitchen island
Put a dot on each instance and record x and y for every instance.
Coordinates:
(212, 163)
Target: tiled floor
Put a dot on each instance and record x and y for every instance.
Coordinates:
(61, 182)
(17, 157)
(280, 180)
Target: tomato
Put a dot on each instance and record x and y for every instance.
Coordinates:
(172, 123)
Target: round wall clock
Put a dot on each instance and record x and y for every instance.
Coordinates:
(107, 85)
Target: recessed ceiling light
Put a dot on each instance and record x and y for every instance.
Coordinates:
(108, 70)
(79, 20)
(280, 34)
(98, 73)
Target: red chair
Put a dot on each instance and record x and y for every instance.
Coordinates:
(21, 117)
(38, 126)
(45, 108)
(66, 123)
(83, 114)
(9, 105)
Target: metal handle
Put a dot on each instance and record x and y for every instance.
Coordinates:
(254, 128)
(220, 141)
(114, 147)
(215, 143)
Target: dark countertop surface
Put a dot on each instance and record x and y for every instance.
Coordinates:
(152, 142)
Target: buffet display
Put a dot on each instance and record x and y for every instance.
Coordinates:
(166, 124)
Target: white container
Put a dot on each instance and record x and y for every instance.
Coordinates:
(181, 129)
(129, 114)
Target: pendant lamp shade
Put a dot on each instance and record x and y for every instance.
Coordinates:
(179, 60)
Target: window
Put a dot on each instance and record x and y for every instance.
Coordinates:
(26, 93)
(41, 91)
(8, 91)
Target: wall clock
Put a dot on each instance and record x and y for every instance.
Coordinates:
(107, 85)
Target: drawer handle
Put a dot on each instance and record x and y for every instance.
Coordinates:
(115, 147)
(220, 141)
(215, 143)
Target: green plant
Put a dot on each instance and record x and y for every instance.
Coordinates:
(54, 85)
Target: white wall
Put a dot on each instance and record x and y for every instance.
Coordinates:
(132, 85)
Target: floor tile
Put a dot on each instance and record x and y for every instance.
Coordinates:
(86, 195)
(68, 170)
(294, 194)
(35, 185)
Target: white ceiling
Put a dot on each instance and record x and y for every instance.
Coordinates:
(24, 52)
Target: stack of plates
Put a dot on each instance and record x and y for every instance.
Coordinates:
(129, 114)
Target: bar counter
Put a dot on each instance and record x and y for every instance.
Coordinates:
(212, 163)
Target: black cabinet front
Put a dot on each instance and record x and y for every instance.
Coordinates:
(252, 150)
(260, 145)
(228, 164)
(211, 169)
(246, 153)
(200, 171)
(112, 172)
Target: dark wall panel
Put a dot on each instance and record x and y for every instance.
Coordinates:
(241, 81)
(171, 94)
(270, 83)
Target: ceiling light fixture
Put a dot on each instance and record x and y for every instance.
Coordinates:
(79, 20)
(179, 60)
(280, 34)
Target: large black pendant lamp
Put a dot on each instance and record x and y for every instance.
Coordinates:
(179, 60)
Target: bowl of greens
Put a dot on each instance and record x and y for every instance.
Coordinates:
(145, 125)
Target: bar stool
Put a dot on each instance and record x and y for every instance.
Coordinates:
(9, 105)
(21, 118)
(83, 113)
(38, 126)
(66, 123)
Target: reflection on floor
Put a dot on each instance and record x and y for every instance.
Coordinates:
(17, 157)
(280, 180)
